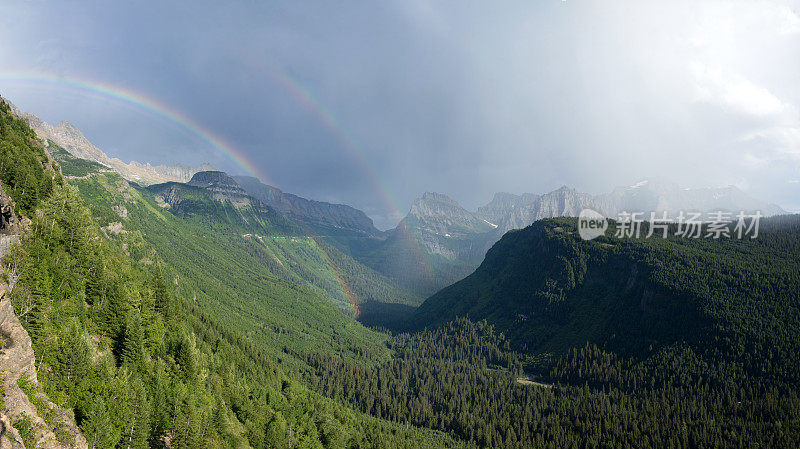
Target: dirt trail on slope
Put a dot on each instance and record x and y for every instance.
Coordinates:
(530, 380)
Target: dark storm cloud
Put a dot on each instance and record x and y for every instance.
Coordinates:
(463, 98)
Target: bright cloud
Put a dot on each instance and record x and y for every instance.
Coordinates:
(734, 93)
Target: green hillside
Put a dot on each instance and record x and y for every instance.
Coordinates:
(641, 343)
(292, 251)
(138, 361)
(190, 316)
(258, 234)
(728, 299)
(404, 259)
(240, 279)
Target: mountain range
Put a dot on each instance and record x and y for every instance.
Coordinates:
(72, 139)
(438, 241)
(218, 311)
(511, 211)
(454, 240)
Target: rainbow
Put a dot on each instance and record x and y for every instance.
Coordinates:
(105, 92)
(311, 103)
(303, 96)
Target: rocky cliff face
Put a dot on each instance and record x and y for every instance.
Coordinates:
(317, 214)
(18, 366)
(179, 172)
(510, 211)
(18, 361)
(11, 224)
(72, 139)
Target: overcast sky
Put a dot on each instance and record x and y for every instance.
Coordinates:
(464, 98)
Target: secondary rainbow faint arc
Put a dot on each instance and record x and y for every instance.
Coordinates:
(308, 100)
(104, 91)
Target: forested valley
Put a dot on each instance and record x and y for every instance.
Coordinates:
(208, 324)
(461, 378)
(139, 366)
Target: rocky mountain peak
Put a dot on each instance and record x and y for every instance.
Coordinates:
(212, 177)
(436, 213)
(437, 197)
(433, 204)
(70, 138)
(69, 127)
(216, 181)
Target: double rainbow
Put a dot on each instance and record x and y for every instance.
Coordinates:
(101, 91)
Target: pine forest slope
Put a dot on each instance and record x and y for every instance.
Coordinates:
(625, 343)
(732, 301)
(235, 277)
(193, 315)
(139, 365)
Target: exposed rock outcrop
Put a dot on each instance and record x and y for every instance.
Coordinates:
(17, 361)
(11, 224)
(510, 211)
(216, 181)
(317, 214)
(25, 409)
(72, 139)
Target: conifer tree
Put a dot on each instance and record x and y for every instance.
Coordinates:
(133, 350)
(97, 426)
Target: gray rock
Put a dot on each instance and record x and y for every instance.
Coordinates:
(318, 214)
(72, 139)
